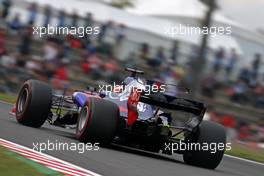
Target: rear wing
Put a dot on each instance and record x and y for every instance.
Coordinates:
(174, 103)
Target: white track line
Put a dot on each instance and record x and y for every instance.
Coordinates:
(1, 101)
(49, 163)
(4, 142)
(242, 159)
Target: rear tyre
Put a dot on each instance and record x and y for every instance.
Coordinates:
(33, 103)
(97, 122)
(209, 133)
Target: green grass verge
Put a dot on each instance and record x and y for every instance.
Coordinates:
(246, 152)
(7, 98)
(14, 164)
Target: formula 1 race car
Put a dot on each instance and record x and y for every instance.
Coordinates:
(131, 115)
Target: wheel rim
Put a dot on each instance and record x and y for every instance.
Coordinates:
(83, 117)
(22, 101)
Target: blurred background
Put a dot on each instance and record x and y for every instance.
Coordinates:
(225, 71)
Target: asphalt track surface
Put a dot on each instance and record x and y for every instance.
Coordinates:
(117, 161)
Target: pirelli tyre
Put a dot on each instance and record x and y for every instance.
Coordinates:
(33, 103)
(98, 121)
(209, 133)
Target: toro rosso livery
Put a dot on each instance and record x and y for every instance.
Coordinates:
(130, 116)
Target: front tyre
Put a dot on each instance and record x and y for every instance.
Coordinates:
(208, 133)
(98, 121)
(33, 103)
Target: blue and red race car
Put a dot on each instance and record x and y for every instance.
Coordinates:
(129, 115)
